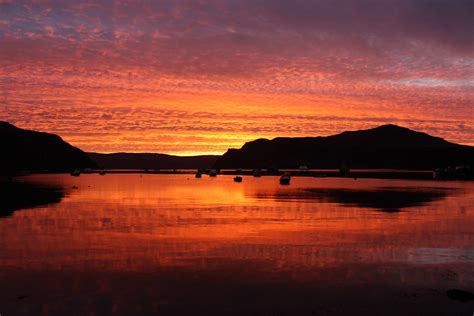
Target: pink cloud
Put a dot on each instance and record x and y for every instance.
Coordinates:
(89, 70)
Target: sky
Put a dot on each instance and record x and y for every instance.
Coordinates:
(199, 77)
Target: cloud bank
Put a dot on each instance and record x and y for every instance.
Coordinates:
(202, 76)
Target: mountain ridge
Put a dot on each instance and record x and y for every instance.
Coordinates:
(385, 146)
(124, 160)
(34, 151)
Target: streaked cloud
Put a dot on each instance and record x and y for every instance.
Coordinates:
(202, 76)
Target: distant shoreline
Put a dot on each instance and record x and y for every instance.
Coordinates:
(317, 173)
(389, 151)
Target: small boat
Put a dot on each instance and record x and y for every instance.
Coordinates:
(257, 173)
(76, 173)
(198, 175)
(102, 172)
(273, 170)
(213, 173)
(303, 169)
(285, 179)
(344, 170)
(237, 179)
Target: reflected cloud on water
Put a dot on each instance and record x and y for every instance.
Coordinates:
(170, 244)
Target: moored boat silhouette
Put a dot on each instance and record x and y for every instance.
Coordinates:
(285, 178)
(257, 173)
(76, 173)
(303, 169)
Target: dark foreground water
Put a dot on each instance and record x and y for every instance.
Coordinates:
(172, 244)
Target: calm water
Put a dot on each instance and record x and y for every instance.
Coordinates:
(171, 244)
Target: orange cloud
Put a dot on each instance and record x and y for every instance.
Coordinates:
(186, 77)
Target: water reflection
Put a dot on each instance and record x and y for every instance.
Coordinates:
(170, 244)
(24, 195)
(386, 199)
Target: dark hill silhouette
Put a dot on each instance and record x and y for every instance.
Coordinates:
(36, 151)
(151, 161)
(387, 146)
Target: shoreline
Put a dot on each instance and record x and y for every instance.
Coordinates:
(317, 173)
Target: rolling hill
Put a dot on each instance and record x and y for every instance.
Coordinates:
(387, 146)
(36, 151)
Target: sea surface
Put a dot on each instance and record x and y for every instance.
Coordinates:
(153, 244)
